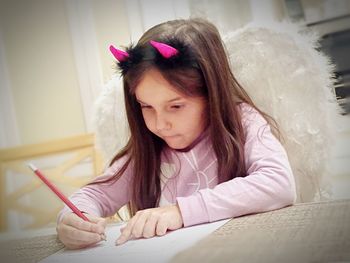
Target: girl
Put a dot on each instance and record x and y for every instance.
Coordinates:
(199, 149)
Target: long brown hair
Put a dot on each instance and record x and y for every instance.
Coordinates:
(212, 80)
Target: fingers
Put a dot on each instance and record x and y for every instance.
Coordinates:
(126, 232)
(74, 232)
(74, 238)
(151, 222)
(150, 226)
(162, 228)
(97, 220)
(76, 222)
(100, 223)
(144, 226)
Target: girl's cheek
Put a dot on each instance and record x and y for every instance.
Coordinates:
(147, 117)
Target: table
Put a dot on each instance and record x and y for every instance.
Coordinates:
(308, 232)
(29, 246)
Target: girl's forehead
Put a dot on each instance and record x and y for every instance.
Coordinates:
(153, 84)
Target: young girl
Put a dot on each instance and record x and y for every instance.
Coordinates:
(199, 149)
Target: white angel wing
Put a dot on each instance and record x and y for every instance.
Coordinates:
(110, 122)
(290, 80)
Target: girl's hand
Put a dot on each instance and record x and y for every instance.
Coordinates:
(75, 232)
(151, 222)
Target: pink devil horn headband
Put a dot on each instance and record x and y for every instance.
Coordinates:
(165, 50)
(120, 55)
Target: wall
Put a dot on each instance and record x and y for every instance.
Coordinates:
(40, 60)
(111, 28)
(41, 69)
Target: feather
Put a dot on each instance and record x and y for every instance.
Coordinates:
(282, 71)
(136, 54)
(109, 120)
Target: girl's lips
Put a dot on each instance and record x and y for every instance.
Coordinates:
(168, 137)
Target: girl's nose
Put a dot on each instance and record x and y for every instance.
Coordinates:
(162, 123)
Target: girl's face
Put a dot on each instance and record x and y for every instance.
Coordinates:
(176, 118)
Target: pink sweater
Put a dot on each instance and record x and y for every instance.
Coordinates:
(190, 179)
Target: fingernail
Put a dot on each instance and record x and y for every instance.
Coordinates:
(119, 242)
(103, 237)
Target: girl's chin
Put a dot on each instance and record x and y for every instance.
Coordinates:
(176, 146)
(175, 143)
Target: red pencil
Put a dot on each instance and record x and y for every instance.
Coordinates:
(59, 194)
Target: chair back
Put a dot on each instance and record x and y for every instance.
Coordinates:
(25, 201)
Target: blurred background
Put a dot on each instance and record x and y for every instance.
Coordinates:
(54, 60)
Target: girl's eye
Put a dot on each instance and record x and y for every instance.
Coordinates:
(176, 107)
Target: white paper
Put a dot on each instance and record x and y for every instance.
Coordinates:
(156, 249)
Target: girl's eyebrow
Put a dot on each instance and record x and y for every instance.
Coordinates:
(171, 100)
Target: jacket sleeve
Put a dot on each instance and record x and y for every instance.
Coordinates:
(103, 199)
(269, 183)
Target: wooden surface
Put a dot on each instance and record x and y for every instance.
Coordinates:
(28, 198)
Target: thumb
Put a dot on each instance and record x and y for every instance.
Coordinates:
(93, 218)
(97, 220)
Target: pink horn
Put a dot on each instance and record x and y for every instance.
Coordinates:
(165, 50)
(120, 55)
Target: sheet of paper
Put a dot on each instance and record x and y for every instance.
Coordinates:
(156, 249)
